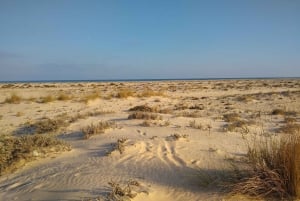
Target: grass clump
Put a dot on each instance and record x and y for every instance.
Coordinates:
(91, 97)
(63, 97)
(149, 93)
(16, 151)
(98, 128)
(124, 93)
(47, 99)
(118, 146)
(195, 125)
(47, 125)
(231, 117)
(13, 99)
(275, 169)
(144, 115)
(278, 112)
(119, 193)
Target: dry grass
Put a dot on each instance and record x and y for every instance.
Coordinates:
(46, 99)
(13, 99)
(275, 169)
(90, 97)
(47, 125)
(124, 93)
(150, 92)
(118, 146)
(290, 128)
(98, 128)
(146, 108)
(177, 136)
(16, 151)
(195, 125)
(119, 193)
(144, 115)
(232, 117)
(63, 97)
(278, 112)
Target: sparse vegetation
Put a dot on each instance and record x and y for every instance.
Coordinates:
(63, 97)
(144, 115)
(47, 125)
(98, 128)
(124, 93)
(119, 193)
(90, 97)
(149, 93)
(232, 117)
(118, 146)
(278, 112)
(13, 99)
(177, 136)
(275, 168)
(46, 99)
(195, 125)
(16, 151)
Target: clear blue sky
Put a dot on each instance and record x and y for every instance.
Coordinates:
(124, 39)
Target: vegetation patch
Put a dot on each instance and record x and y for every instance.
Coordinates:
(275, 169)
(119, 193)
(13, 99)
(98, 128)
(144, 115)
(124, 93)
(118, 146)
(16, 151)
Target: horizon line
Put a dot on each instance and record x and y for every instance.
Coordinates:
(146, 79)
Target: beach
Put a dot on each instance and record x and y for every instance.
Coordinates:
(167, 140)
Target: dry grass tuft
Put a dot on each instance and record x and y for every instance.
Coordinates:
(124, 93)
(14, 98)
(16, 151)
(47, 125)
(149, 93)
(177, 136)
(275, 169)
(290, 128)
(47, 99)
(146, 108)
(119, 193)
(63, 97)
(232, 117)
(90, 97)
(195, 125)
(94, 129)
(118, 146)
(144, 115)
(278, 112)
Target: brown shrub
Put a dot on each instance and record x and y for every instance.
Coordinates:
(14, 98)
(98, 128)
(275, 168)
(144, 115)
(16, 151)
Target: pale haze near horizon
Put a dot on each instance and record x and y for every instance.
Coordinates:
(78, 40)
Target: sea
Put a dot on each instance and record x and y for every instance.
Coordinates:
(145, 80)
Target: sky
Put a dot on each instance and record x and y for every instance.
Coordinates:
(143, 39)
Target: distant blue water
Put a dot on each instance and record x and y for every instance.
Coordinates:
(145, 80)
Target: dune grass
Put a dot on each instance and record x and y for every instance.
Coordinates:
(13, 99)
(275, 169)
(16, 151)
(94, 129)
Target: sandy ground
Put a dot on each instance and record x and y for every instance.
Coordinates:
(167, 168)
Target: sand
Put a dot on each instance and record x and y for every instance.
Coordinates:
(167, 167)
